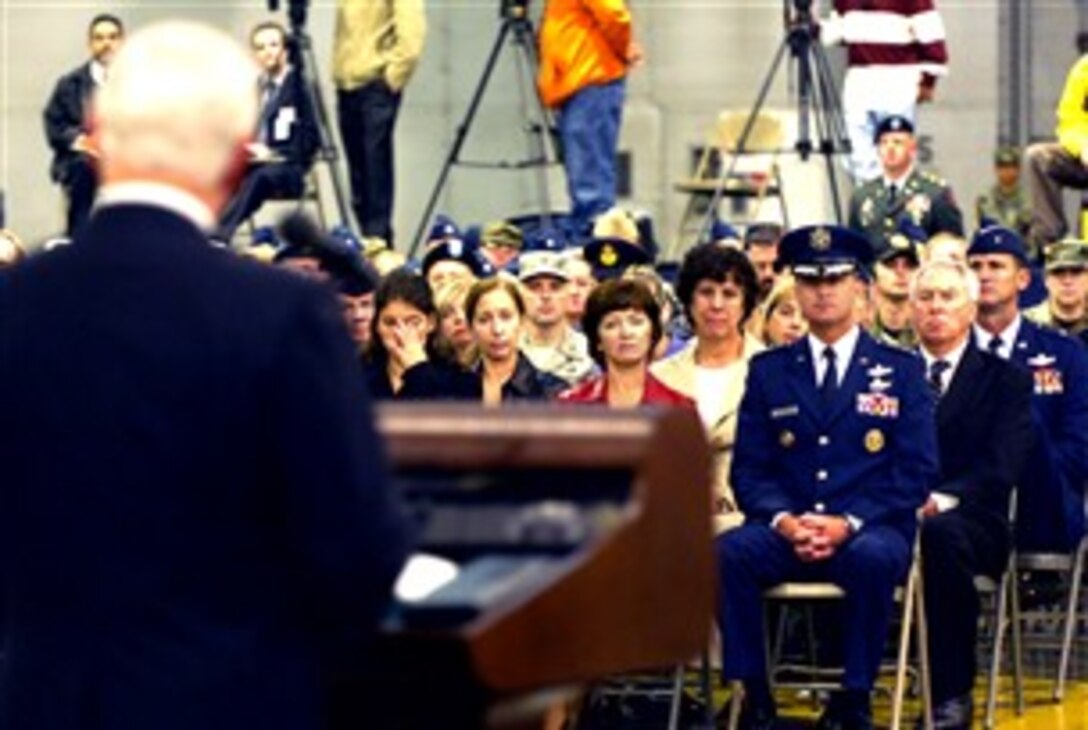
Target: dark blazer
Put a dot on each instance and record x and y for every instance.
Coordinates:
(527, 383)
(194, 505)
(430, 380)
(984, 433)
(298, 141)
(64, 117)
(874, 458)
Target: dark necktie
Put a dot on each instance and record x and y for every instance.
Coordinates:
(891, 192)
(830, 385)
(995, 346)
(936, 376)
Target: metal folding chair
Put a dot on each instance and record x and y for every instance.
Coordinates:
(912, 623)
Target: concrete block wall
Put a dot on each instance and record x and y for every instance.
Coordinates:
(702, 56)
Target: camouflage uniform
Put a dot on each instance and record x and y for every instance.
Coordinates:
(1009, 209)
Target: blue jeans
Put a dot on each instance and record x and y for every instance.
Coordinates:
(589, 124)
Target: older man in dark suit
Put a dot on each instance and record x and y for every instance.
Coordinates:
(286, 139)
(983, 435)
(194, 511)
(67, 121)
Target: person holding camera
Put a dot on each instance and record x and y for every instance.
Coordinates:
(376, 48)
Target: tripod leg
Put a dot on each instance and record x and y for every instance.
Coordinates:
(460, 136)
(538, 129)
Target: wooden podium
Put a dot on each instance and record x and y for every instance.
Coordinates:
(610, 512)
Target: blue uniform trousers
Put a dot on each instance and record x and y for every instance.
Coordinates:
(868, 567)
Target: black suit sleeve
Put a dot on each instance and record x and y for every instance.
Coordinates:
(63, 114)
(997, 460)
(348, 533)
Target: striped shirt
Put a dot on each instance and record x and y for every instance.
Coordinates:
(900, 33)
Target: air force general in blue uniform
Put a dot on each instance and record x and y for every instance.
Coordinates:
(847, 438)
(1051, 500)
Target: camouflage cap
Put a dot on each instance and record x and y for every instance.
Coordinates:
(1007, 154)
(1067, 254)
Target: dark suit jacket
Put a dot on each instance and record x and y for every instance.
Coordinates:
(298, 141)
(984, 433)
(194, 503)
(874, 458)
(64, 117)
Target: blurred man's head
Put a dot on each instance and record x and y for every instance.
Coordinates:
(761, 246)
(943, 296)
(269, 44)
(1007, 167)
(104, 36)
(896, 146)
(178, 108)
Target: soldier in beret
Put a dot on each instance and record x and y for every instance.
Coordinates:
(1005, 203)
(902, 190)
(1066, 306)
(835, 452)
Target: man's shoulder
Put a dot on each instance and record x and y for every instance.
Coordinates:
(77, 77)
(929, 180)
(1046, 344)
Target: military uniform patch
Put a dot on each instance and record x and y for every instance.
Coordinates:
(1048, 381)
(880, 405)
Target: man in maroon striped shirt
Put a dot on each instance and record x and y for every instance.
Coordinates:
(895, 52)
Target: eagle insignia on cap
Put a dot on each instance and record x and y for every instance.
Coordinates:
(609, 256)
(820, 239)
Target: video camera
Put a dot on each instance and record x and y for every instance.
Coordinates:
(297, 11)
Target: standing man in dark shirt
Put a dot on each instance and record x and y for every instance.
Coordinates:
(286, 138)
(67, 120)
(195, 519)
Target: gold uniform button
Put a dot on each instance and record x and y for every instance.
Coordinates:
(787, 439)
(874, 441)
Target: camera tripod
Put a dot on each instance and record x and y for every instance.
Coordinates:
(543, 149)
(300, 49)
(818, 105)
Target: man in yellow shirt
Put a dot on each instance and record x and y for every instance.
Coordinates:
(1054, 165)
(376, 48)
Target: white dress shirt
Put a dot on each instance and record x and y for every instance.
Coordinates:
(844, 350)
(1007, 335)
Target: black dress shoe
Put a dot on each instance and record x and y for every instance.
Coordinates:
(953, 714)
(840, 717)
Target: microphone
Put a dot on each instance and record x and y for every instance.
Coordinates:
(346, 267)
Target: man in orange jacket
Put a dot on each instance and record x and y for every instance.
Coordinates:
(585, 50)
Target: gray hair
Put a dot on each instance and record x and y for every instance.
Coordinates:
(967, 278)
(180, 99)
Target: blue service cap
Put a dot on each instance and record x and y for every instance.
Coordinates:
(722, 231)
(818, 252)
(346, 236)
(544, 239)
(998, 239)
(610, 257)
(893, 123)
(443, 227)
(456, 248)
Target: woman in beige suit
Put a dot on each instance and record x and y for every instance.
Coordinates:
(718, 289)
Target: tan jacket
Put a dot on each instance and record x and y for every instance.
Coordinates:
(678, 372)
(377, 39)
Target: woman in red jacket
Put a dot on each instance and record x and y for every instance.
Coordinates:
(623, 324)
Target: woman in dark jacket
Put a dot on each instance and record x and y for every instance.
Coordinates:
(495, 311)
(403, 363)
